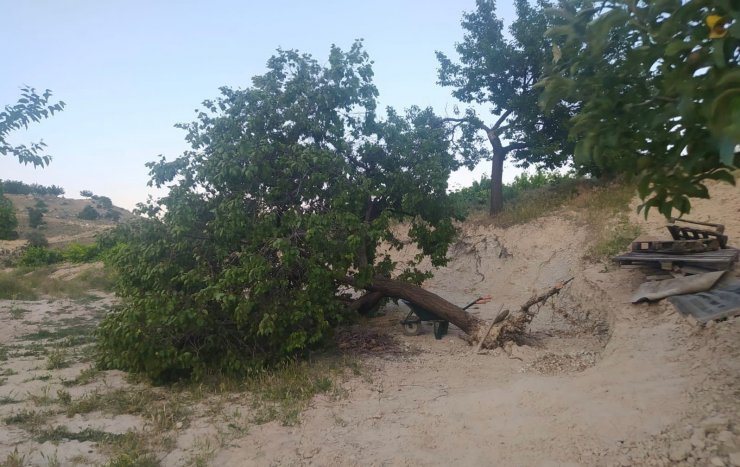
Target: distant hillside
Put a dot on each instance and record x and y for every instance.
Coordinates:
(62, 225)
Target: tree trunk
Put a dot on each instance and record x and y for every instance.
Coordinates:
(497, 173)
(366, 303)
(468, 323)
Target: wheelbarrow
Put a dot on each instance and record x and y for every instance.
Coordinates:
(412, 323)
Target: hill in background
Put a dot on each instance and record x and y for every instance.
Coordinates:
(62, 224)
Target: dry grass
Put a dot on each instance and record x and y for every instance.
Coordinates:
(31, 284)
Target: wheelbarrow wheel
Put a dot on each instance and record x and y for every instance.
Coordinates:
(411, 328)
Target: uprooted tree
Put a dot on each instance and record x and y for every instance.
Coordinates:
(278, 224)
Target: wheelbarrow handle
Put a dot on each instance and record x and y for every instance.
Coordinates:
(478, 301)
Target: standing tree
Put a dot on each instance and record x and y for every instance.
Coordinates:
(658, 87)
(501, 71)
(279, 222)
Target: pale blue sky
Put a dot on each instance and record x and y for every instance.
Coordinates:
(129, 70)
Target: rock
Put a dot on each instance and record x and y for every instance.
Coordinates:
(717, 462)
(697, 439)
(715, 424)
(679, 450)
(726, 437)
(735, 459)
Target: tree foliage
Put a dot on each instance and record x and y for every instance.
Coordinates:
(500, 71)
(274, 217)
(31, 107)
(658, 88)
(8, 219)
(88, 213)
(16, 187)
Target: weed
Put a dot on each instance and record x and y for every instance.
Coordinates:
(64, 397)
(42, 399)
(51, 459)
(28, 284)
(86, 376)
(57, 359)
(3, 353)
(8, 399)
(14, 459)
(29, 420)
(61, 433)
(130, 450)
(614, 240)
(17, 312)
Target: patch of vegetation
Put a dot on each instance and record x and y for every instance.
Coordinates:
(8, 399)
(36, 256)
(87, 376)
(37, 239)
(163, 411)
(15, 187)
(29, 284)
(15, 459)
(17, 312)
(81, 329)
(8, 219)
(615, 240)
(27, 419)
(528, 197)
(62, 433)
(283, 393)
(130, 451)
(88, 213)
(57, 359)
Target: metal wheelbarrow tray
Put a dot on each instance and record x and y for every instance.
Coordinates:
(412, 323)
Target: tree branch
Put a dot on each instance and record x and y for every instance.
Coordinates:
(502, 119)
(463, 120)
(514, 147)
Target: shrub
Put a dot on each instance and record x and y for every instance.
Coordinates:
(35, 217)
(103, 202)
(37, 239)
(78, 253)
(36, 256)
(86, 194)
(88, 213)
(8, 220)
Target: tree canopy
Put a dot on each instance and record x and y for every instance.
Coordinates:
(658, 92)
(275, 218)
(500, 71)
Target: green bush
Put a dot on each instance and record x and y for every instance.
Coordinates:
(15, 187)
(36, 256)
(88, 213)
(78, 253)
(476, 196)
(37, 239)
(35, 217)
(8, 220)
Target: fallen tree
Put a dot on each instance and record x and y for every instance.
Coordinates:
(273, 223)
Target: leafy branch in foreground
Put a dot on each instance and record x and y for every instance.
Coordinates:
(31, 107)
(659, 92)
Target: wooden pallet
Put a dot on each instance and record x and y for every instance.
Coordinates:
(713, 260)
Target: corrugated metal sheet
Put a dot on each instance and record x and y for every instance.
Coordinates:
(711, 305)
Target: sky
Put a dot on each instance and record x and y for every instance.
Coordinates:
(129, 70)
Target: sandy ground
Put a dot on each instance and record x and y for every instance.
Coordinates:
(606, 383)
